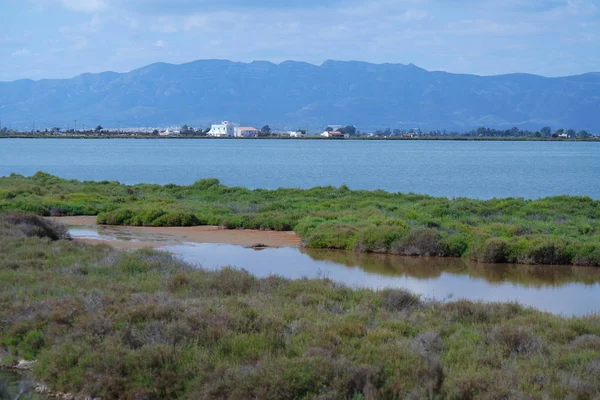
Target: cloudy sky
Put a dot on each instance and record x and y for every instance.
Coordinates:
(63, 38)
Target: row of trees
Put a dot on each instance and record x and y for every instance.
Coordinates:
(545, 132)
(266, 131)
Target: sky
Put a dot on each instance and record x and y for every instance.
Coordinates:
(63, 38)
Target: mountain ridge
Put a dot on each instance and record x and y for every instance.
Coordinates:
(293, 93)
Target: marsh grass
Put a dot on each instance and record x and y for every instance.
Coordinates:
(555, 230)
(144, 325)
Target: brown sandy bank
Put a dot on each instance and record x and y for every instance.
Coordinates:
(156, 236)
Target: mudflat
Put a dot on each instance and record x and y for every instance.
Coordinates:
(196, 234)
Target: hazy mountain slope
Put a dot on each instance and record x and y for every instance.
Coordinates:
(297, 94)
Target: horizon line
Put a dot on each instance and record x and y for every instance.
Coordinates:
(409, 65)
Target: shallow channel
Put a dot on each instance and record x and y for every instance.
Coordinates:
(565, 290)
(16, 385)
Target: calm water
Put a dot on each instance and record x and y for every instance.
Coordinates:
(440, 168)
(15, 385)
(561, 290)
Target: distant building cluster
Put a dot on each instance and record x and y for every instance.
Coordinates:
(227, 129)
(334, 134)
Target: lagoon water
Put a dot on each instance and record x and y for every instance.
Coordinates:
(478, 169)
(563, 290)
(440, 168)
(17, 385)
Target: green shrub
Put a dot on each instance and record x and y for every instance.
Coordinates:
(546, 251)
(456, 244)
(333, 236)
(421, 242)
(587, 255)
(178, 218)
(378, 239)
(493, 250)
(31, 225)
(399, 299)
(29, 205)
(205, 184)
(146, 217)
(118, 217)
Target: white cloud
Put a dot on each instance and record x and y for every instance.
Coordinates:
(160, 43)
(581, 7)
(21, 52)
(88, 6)
(413, 15)
(195, 22)
(78, 42)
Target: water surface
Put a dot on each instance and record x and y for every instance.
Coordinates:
(17, 385)
(474, 169)
(565, 290)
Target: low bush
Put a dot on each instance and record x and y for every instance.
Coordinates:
(31, 225)
(399, 299)
(516, 340)
(421, 242)
(587, 255)
(493, 250)
(378, 239)
(546, 251)
(333, 235)
(177, 218)
(117, 217)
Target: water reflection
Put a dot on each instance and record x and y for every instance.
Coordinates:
(427, 268)
(559, 289)
(14, 385)
(116, 233)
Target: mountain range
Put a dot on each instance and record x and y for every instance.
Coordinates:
(299, 95)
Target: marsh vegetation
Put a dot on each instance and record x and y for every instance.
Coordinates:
(144, 325)
(554, 230)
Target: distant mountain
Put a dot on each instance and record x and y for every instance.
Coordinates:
(297, 94)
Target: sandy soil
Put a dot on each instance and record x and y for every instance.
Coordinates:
(196, 234)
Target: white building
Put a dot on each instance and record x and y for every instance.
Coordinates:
(168, 132)
(295, 134)
(225, 129)
(245, 131)
(333, 134)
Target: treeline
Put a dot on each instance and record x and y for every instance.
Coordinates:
(266, 131)
(515, 132)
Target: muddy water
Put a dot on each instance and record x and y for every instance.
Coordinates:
(562, 290)
(15, 385)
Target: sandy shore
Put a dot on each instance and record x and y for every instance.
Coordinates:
(156, 236)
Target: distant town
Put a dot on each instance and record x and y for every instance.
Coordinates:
(228, 129)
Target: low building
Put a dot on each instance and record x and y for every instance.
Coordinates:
(333, 134)
(292, 134)
(168, 132)
(245, 131)
(224, 129)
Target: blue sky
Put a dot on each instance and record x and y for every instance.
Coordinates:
(63, 38)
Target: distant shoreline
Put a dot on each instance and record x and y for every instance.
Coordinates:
(430, 138)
